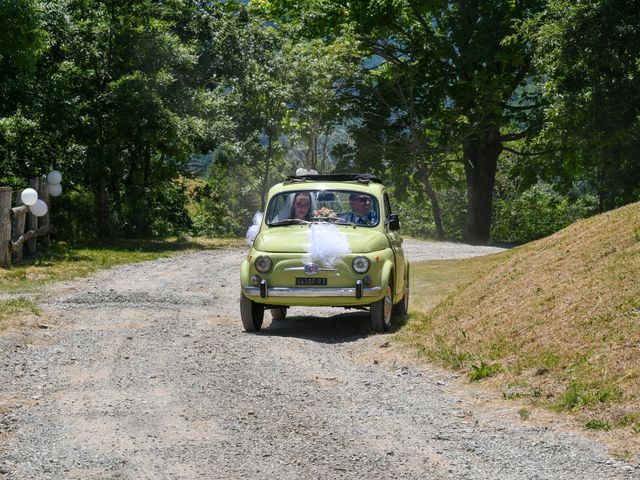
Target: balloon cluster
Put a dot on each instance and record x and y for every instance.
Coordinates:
(30, 197)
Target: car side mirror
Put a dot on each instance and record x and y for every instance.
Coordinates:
(393, 222)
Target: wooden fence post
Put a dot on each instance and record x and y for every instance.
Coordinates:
(32, 222)
(5, 226)
(43, 194)
(17, 228)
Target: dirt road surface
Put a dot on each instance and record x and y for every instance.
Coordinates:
(143, 372)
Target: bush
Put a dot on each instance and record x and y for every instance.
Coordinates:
(213, 216)
(537, 212)
(417, 219)
(73, 215)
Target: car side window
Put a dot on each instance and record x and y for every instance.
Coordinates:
(387, 205)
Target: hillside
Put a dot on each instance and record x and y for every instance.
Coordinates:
(556, 320)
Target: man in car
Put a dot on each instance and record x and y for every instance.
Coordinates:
(362, 210)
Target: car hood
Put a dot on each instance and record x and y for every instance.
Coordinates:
(297, 239)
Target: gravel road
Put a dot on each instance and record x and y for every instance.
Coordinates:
(143, 372)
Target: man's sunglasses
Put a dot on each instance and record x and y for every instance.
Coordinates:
(361, 199)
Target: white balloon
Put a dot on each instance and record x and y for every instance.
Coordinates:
(54, 177)
(29, 196)
(55, 189)
(39, 208)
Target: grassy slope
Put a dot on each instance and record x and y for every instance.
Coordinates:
(560, 317)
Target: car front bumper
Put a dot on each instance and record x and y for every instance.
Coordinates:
(309, 292)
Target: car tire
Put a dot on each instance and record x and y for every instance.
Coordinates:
(278, 313)
(401, 309)
(252, 314)
(381, 312)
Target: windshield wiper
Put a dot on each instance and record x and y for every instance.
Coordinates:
(289, 221)
(344, 222)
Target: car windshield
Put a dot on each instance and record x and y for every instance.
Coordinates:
(335, 206)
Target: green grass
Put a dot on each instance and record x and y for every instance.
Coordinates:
(484, 370)
(18, 307)
(597, 425)
(525, 413)
(64, 261)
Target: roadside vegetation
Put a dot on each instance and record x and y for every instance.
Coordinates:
(531, 106)
(555, 322)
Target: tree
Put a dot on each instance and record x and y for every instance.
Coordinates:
(588, 54)
(469, 57)
(260, 95)
(22, 41)
(130, 106)
(395, 134)
(318, 72)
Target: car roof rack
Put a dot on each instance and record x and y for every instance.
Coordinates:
(334, 177)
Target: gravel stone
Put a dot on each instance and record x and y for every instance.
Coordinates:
(145, 373)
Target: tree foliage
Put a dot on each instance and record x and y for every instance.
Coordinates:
(508, 119)
(470, 62)
(588, 52)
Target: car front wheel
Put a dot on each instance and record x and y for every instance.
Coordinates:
(252, 314)
(401, 308)
(381, 312)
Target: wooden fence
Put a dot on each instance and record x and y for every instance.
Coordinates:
(20, 229)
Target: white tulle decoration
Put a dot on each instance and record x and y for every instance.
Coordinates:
(327, 244)
(253, 230)
(39, 209)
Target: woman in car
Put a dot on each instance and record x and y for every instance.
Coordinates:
(301, 207)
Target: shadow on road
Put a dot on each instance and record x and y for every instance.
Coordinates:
(339, 328)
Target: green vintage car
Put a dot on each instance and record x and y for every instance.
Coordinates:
(326, 240)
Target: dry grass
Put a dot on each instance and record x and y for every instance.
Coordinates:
(12, 309)
(559, 316)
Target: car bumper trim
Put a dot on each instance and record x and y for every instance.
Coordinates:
(311, 292)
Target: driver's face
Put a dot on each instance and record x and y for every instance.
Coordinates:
(361, 204)
(301, 206)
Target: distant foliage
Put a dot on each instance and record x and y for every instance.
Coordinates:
(533, 106)
(225, 205)
(213, 217)
(416, 215)
(537, 212)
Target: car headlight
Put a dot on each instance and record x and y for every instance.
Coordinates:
(360, 264)
(263, 264)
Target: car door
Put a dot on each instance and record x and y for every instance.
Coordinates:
(395, 240)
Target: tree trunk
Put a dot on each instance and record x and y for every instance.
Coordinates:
(436, 211)
(481, 154)
(312, 152)
(146, 171)
(265, 179)
(435, 208)
(102, 209)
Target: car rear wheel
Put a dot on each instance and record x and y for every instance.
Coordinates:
(252, 314)
(278, 313)
(401, 308)
(381, 312)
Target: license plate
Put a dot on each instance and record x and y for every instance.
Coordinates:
(311, 281)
